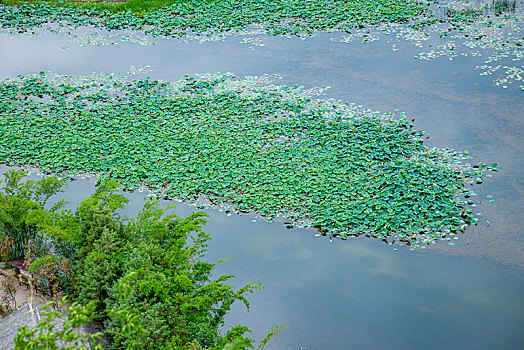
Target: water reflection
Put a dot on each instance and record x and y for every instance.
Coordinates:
(450, 101)
(359, 293)
(483, 6)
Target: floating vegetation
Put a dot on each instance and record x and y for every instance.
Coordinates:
(281, 17)
(247, 145)
(497, 36)
(491, 29)
(461, 28)
(202, 21)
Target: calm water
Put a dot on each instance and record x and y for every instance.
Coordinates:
(358, 293)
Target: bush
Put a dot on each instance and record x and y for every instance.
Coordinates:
(148, 271)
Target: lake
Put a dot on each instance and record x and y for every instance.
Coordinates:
(359, 293)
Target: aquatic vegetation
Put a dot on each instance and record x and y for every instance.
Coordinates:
(295, 17)
(489, 28)
(455, 29)
(498, 38)
(278, 17)
(202, 21)
(247, 145)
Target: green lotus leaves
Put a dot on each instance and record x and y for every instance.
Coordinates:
(247, 145)
(281, 17)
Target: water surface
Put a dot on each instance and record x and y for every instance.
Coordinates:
(358, 293)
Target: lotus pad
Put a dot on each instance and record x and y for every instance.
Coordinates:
(279, 16)
(245, 144)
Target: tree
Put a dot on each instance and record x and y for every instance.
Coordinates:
(150, 271)
(51, 272)
(58, 331)
(20, 204)
(172, 288)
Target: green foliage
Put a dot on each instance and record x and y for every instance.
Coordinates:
(98, 271)
(98, 219)
(144, 277)
(239, 344)
(249, 147)
(47, 335)
(171, 288)
(139, 7)
(58, 331)
(274, 330)
(281, 17)
(21, 206)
